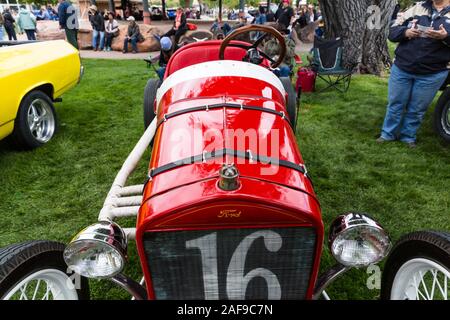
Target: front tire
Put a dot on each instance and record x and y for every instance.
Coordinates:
(442, 116)
(36, 121)
(35, 270)
(418, 268)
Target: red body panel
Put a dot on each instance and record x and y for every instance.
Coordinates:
(188, 198)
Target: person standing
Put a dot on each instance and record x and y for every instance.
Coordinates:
(133, 35)
(98, 28)
(27, 22)
(111, 30)
(285, 15)
(420, 68)
(9, 24)
(179, 26)
(68, 21)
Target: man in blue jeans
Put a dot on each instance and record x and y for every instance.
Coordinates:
(420, 68)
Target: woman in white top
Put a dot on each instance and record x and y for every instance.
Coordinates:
(111, 30)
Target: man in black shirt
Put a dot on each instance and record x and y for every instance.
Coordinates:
(285, 14)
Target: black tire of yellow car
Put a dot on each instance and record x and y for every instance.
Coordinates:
(432, 245)
(291, 104)
(21, 136)
(19, 260)
(442, 116)
(149, 100)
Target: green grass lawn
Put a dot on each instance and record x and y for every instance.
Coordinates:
(55, 191)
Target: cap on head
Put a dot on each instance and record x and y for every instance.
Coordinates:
(93, 8)
(286, 1)
(166, 43)
(131, 18)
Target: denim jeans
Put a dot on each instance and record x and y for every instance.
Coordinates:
(95, 35)
(1, 33)
(409, 96)
(133, 41)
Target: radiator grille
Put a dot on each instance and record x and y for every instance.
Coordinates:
(231, 264)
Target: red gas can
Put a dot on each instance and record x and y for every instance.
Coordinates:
(306, 79)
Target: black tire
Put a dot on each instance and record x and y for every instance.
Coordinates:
(442, 116)
(22, 136)
(431, 245)
(149, 100)
(292, 102)
(19, 260)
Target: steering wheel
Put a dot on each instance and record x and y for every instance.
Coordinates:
(253, 48)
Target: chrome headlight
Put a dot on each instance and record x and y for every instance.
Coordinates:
(356, 240)
(99, 251)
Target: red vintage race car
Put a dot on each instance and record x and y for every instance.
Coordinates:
(229, 209)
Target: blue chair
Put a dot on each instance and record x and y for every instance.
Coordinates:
(327, 63)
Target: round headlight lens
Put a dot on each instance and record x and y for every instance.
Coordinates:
(94, 259)
(358, 241)
(99, 251)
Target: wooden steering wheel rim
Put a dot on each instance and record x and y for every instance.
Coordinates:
(255, 27)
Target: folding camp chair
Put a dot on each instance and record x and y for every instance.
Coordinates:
(327, 63)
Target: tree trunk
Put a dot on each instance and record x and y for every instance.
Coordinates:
(364, 26)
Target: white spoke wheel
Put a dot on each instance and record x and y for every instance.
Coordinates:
(36, 270)
(418, 268)
(36, 122)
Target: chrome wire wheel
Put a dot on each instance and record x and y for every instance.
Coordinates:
(421, 279)
(40, 120)
(46, 284)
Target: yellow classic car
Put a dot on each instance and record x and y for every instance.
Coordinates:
(32, 77)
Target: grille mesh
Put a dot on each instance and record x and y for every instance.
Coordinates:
(231, 264)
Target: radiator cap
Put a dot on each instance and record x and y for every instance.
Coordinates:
(229, 177)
